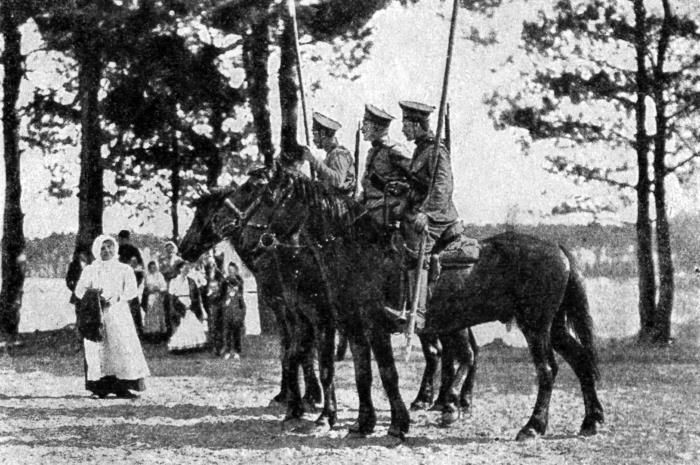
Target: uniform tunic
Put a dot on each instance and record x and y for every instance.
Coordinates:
(336, 172)
(439, 206)
(386, 161)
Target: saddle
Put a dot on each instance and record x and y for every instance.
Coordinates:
(454, 251)
(461, 252)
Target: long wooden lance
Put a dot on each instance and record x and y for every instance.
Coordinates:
(438, 133)
(356, 191)
(293, 14)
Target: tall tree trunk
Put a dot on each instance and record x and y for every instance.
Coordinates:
(91, 190)
(662, 317)
(289, 99)
(175, 185)
(214, 162)
(256, 52)
(13, 272)
(645, 260)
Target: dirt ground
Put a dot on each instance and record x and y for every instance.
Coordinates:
(198, 409)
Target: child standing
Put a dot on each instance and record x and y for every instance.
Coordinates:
(233, 313)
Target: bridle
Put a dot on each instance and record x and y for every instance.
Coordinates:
(268, 239)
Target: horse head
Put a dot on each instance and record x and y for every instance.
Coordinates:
(276, 213)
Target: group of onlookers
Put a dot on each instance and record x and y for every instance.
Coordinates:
(192, 306)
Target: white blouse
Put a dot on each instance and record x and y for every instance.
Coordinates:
(116, 280)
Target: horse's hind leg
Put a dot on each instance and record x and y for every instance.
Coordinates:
(575, 355)
(540, 348)
(466, 394)
(431, 353)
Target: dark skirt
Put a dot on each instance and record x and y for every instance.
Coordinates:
(112, 384)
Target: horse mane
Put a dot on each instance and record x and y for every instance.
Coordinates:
(216, 194)
(331, 214)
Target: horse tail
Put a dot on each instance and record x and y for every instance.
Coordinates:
(576, 313)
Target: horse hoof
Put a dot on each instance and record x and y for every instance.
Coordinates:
(309, 406)
(448, 418)
(526, 434)
(277, 402)
(395, 432)
(322, 425)
(358, 431)
(419, 406)
(292, 424)
(437, 407)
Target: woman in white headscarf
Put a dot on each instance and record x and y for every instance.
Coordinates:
(116, 364)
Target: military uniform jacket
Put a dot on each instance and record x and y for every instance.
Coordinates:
(439, 206)
(336, 172)
(386, 161)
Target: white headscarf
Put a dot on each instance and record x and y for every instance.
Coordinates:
(115, 279)
(97, 248)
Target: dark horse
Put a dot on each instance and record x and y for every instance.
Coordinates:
(517, 277)
(210, 226)
(306, 308)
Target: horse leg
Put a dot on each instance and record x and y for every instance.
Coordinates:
(384, 355)
(295, 354)
(362, 360)
(539, 344)
(465, 396)
(342, 348)
(458, 347)
(447, 374)
(281, 397)
(312, 387)
(326, 361)
(431, 353)
(576, 356)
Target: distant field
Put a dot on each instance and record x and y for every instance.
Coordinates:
(613, 306)
(46, 306)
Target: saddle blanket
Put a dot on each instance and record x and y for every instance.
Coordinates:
(460, 253)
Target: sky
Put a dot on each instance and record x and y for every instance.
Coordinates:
(493, 180)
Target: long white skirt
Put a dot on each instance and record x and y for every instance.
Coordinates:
(190, 334)
(120, 353)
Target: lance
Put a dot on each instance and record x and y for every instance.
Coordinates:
(441, 116)
(448, 129)
(293, 16)
(357, 160)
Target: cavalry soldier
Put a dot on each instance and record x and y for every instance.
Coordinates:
(430, 212)
(384, 183)
(336, 171)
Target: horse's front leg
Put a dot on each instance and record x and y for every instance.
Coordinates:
(312, 389)
(431, 352)
(383, 353)
(457, 347)
(362, 360)
(293, 357)
(326, 361)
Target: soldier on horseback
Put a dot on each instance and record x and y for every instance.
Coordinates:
(336, 171)
(430, 214)
(385, 179)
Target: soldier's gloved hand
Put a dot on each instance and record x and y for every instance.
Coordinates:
(397, 188)
(306, 154)
(420, 222)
